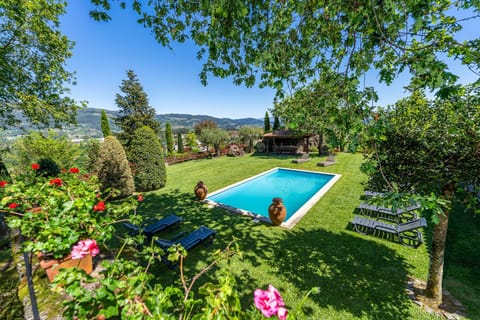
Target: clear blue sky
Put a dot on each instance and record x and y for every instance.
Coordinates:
(104, 51)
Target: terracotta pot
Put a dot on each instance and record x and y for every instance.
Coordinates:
(52, 266)
(277, 211)
(200, 190)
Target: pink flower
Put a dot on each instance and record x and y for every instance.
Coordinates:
(269, 302)
(13, 205)
(57, 181)
(139, 198)
(3, 184)
(84, 248)
(100, 206)
(282, 313)
(35, 166)
(74, 170)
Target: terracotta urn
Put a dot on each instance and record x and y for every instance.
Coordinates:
(200, 190)
(52, 266)
(277, 211)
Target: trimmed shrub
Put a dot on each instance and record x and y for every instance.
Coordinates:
(4, 175)
(48, 168)
(112, 168)
(180, 143)
(147, 157)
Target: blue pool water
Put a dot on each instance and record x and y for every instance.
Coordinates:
(255, 195)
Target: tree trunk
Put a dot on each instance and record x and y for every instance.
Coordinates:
(439, 239)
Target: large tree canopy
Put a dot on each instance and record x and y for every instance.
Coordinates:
(431, 148)
(292, 42)
(33, 53)
(328, 106)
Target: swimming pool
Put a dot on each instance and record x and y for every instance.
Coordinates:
(299, 189)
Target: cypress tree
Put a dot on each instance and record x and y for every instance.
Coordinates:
(105, 125)
(276, 123)
(169, 138)
(147, 157)
(266, 122)
(112, 168)
(180, 142)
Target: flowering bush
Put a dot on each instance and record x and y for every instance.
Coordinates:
(55, 213)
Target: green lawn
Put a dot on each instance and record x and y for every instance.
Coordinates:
(360, 277)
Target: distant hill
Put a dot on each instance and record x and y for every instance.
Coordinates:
(188, 121)
(88, 120)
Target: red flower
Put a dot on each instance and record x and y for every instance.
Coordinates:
(57, 181)
(100, 206)
(139, 198)
(35, 166)
(3, 184)
(74, 170)
(13, 205)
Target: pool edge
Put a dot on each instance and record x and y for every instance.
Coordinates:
(296, 217)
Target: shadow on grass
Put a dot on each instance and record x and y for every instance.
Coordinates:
(355, 276)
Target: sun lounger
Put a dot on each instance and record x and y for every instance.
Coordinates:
(373, 194)
(187, 241)
(330, 161)
(157, 226)
(407, 233)
(190, 240)
(398, 215)
(304, 158)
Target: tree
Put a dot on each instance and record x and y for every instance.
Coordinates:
(169, 138)
(293, 43)
(438, 141)
(215, 137)
(104, 124)
(249, 135)
(328, 107)
(33, 55)
(199, 126)
(192, 139)
(37, 145)
(112, 168)
(276, 123)
(180, 142)
(135, 111)
(148, 161)
(266, 122)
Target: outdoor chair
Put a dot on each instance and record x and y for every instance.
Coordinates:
(186, 240)
(150, 229)
(407, 232)
(304, 158)
(397, 215)
(370, 194)
(330, 161)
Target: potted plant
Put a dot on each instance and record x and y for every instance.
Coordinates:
(55, 214)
